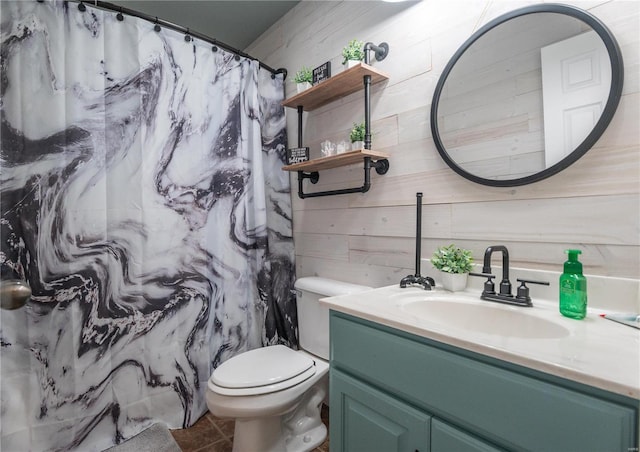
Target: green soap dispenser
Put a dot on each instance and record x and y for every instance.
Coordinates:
(573, 288)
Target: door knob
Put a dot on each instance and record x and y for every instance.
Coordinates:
(14, 294)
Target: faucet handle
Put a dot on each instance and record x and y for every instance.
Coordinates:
(530, 281)
(523, 290)
(489, 286)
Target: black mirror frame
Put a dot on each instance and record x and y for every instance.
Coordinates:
(617, 78)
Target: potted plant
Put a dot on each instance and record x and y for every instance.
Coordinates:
(454, 264)
(353, 53)
(303, 79)
(357, 136)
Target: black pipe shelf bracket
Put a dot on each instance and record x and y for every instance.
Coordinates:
(336, 87)
(310, 170)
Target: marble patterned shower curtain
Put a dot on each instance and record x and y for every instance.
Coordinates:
(142, 198)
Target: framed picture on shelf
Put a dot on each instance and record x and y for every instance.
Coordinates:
(297, 155)
(322, 72)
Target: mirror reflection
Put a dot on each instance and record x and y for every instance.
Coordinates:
(523, 97)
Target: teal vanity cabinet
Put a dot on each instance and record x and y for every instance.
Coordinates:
(395, 391)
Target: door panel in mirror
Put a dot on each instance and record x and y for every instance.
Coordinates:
(576, 76)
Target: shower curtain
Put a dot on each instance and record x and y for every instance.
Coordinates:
(142, 199)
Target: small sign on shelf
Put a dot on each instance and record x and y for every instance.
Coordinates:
(322, 72)
(297, 155)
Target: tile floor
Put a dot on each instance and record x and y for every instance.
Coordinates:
(211, 434)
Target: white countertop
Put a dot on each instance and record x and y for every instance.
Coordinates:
(593, 351)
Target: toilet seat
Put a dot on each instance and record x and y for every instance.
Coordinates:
(262, 371)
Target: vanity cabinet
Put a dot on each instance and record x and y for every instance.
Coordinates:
(391, 390)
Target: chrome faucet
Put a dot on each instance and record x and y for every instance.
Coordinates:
(504, 295)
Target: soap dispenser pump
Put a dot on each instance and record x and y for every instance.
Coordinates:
(573, 288)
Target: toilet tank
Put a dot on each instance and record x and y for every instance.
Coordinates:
(313, 318)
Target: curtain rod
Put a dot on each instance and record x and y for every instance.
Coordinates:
(187, 32)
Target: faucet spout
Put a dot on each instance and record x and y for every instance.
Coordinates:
(505, 284)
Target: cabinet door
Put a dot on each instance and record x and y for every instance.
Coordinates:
(445, 437)
(364, 419)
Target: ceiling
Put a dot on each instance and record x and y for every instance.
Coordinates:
(236, 23)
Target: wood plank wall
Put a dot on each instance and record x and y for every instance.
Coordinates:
(369, 238)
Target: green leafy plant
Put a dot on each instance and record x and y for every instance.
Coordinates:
(357, 133)
(303, 75)
(452, 259)
(353, 51)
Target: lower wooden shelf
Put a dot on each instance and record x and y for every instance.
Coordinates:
(336, 161)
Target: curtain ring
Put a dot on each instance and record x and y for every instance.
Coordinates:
(81, 7)
(156, 27)
(187, 37)
(119, 16)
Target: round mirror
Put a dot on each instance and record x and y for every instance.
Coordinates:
(527, 95)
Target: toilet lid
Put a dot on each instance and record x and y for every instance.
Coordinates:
(262, 367)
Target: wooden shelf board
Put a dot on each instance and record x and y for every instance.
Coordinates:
(342, 84)
(336, 161)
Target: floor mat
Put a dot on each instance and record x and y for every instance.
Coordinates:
(154, 439)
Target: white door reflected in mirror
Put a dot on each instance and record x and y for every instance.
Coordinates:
(576, 78)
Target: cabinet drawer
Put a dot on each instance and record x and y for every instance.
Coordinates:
(510, 409)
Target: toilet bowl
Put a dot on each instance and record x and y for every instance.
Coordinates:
(275, 393)
(270, 419)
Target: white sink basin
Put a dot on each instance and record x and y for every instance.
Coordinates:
(486, 317)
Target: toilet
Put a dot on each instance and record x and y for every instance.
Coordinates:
(275, 393)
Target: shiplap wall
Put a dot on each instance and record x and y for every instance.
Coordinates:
(369, 238)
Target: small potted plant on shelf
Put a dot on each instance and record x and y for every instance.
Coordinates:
(454, 264)
(303, 79)
(357, 136)
(352, 53)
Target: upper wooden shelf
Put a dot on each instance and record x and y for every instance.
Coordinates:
(337, 86)
(335, 161)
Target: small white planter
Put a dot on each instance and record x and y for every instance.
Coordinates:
(454, 282)
(303, 86)
(351, 63)
(357, 145)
